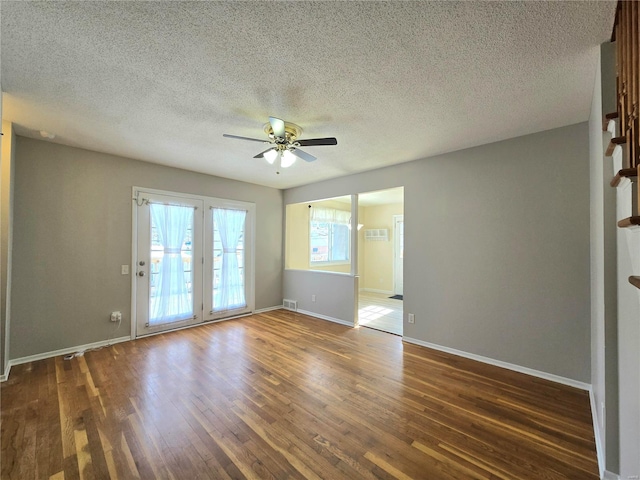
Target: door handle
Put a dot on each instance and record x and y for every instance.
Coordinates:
(141, 274)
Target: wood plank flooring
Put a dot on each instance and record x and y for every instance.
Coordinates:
(282, 395)
(377, 310)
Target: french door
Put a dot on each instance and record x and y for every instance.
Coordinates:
(193, 260)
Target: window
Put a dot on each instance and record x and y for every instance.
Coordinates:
(329, 236)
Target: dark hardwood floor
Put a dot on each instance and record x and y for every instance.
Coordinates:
(281, 395)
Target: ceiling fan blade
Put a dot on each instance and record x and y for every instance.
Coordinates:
(243, 138)
(303, 155)
(311, 142)
(261, 154)
(278, 126)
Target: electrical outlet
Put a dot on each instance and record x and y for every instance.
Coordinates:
(313, 298)
(115, 317)
(412, 318)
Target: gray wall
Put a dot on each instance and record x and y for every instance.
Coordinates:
(6, 229)
(604, 284)
(596, 175)
(622, 311)
(497, 248)
(334, 293)
(72, 231)
(629, 354)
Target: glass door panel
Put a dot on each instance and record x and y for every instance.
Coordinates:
(230, 289)
(171, 275)
(169, 272)
(228, 292)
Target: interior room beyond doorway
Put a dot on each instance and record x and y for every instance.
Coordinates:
(377, 310)
(380, 259)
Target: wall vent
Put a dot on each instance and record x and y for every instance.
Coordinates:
(290, 305)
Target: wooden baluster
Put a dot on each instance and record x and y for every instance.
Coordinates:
(632, 101)
(619, 70)
(626, 67)
(622, 75)
(624, 121)
(630, 84)
(619, 75)
(636, 82)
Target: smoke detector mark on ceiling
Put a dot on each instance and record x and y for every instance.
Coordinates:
(45, 134)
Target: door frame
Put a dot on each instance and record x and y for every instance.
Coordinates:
(397, 260)
(249, 250)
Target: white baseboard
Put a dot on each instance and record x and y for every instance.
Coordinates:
(375, 290)
(597, 433)
(268, 309)
(498, 363)
(610, 476)
(324, 317)
(63, 351)
(5, 375)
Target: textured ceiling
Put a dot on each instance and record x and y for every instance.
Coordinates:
(393, 81)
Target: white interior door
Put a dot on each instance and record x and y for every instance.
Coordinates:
(168, 269)
(398, 254)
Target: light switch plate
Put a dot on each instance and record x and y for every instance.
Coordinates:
(124, 269)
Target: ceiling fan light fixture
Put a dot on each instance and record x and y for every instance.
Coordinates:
(287, 159)
(284, 146)
(271, 156)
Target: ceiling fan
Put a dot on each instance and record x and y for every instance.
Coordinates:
(283, 138)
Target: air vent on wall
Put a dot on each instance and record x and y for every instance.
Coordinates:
(290, 305)
(376, 235)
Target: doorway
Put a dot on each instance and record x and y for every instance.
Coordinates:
(193, 260)
(380, 260)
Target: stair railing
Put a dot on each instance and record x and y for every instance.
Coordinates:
(627, 114)
(625, 34)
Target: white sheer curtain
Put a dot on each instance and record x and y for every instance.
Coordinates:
(331, 233)
(171, 301)
(330, 215)
(230, 292)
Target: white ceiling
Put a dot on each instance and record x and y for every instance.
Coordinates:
(393, 81)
